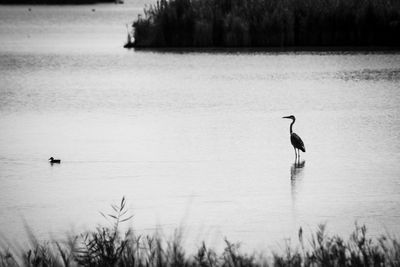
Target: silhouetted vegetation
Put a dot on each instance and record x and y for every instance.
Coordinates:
(107, 246)
(269, 23)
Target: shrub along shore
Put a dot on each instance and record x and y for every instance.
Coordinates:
(268, 23)
(107, 246)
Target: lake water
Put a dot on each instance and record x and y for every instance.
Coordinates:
(194, 139)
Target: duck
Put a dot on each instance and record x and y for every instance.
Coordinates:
(53, 160)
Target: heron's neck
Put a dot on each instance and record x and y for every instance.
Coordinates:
(291, 127)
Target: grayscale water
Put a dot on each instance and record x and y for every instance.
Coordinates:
(194, 140)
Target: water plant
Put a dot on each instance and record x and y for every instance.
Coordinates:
(108, 246)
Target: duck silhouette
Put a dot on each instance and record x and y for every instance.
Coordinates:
(53, 160)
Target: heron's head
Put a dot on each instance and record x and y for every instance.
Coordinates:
(289, 117)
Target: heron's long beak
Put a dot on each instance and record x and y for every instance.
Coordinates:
(287, 117)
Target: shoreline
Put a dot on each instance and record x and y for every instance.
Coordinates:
(250, 50)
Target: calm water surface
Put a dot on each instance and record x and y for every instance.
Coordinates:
(194, 139)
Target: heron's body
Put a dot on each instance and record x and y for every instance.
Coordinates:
(296, 141)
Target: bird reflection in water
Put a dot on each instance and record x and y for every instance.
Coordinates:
(296, 175)
(297, 169)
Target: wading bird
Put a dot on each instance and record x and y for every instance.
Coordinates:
(295, 139)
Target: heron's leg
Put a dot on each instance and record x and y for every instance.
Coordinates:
(295, 154)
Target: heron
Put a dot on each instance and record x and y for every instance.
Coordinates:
(296, 141)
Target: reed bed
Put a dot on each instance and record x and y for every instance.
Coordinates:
(268, 23)
(107, 246)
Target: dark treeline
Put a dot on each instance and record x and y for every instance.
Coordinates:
(269, 23)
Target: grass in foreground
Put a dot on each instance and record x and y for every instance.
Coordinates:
(107, 246)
